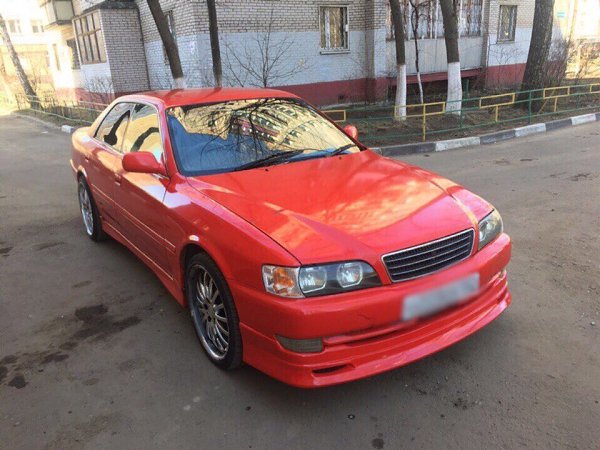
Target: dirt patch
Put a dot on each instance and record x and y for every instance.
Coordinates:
(87, 322)
(46, 245)
(18, 381)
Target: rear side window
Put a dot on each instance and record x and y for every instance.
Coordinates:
(143, 134)
(112, 129)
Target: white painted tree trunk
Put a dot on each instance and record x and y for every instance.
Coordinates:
(179, 83)
(420, 84)
(454, 97)
(400, 105)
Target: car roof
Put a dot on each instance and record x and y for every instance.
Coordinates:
(182, 97)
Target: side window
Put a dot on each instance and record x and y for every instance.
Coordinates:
(143, 134)
(112, 129)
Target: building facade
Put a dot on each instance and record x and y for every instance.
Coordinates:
(329, 51)
(25, 25)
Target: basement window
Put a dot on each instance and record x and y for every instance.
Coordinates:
(507, 23)
(334, 28)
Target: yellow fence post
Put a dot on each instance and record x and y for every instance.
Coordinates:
(424, 131)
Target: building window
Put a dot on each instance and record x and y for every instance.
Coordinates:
(334, 28)
(171, 22)
(508, 22)
(90, 39)
(428, 15)
(37, 27)
(73, 54)
(14, 26)
(470, 17)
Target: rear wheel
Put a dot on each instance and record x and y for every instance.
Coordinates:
(89, 212)
(213, 312)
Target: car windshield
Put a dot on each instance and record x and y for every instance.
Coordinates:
(243, 134)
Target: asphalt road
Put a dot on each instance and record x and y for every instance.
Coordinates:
(94, 353)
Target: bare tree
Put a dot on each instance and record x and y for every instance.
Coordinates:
(100, 89)
(262, 61)
(397, 21)
(539, 47)
(23, 80)
(169, 43)
(418, 9)
(214, 42)
(450, 17)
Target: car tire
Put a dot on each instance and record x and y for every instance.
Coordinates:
(213, 312)
(92, 223)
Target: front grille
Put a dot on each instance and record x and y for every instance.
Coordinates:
(430, 257)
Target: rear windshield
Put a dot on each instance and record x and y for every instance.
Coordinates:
(233, 135)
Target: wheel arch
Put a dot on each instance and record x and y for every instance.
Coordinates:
(189, 249)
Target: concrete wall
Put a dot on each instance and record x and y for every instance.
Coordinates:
(432, 55)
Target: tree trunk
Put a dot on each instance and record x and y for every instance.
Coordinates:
(25, 84)
(450, 18)
(397, 20)
(539, 48)
(214, 42)
(415, 31)
(169, 42)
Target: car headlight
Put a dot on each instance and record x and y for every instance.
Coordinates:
(310, 281)
(490, 228)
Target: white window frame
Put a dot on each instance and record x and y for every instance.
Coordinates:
(90, 38)
(13, 26)
(36, 24)
(327, 49)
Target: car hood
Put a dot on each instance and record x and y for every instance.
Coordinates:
(355, 206)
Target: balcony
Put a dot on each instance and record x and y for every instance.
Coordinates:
(58, 12)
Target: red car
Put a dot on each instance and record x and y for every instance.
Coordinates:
(297, 250)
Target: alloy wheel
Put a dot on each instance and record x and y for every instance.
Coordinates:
(85, 204)
(208, 313)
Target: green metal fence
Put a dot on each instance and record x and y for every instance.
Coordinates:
(384, 124)
(71, 111)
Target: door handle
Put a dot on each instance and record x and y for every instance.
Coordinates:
(118, 179)
(87, 158)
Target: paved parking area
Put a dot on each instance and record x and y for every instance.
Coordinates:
(94, 353)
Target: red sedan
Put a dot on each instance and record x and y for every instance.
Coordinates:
(296, 249)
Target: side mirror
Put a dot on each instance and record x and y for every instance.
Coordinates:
(143, 162)
(351, 131)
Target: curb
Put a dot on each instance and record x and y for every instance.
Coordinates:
(67, 129)
(499, 136)
(35, 119)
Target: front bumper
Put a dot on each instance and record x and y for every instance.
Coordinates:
(362, 332)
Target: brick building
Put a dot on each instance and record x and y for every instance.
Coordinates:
(330, 51)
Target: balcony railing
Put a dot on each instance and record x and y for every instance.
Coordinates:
(58, 12)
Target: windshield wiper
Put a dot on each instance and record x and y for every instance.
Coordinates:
(343, 148)
(267, 161)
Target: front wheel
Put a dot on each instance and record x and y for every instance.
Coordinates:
(213, 312)
(89, 212)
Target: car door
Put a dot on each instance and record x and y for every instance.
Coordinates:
(139, 196)
(104, 158)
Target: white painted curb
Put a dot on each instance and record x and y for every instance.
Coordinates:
(530, 129)
(585, 118)
(440, 146)
(67, 129)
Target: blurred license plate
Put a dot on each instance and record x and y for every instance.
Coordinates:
(426, 303)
